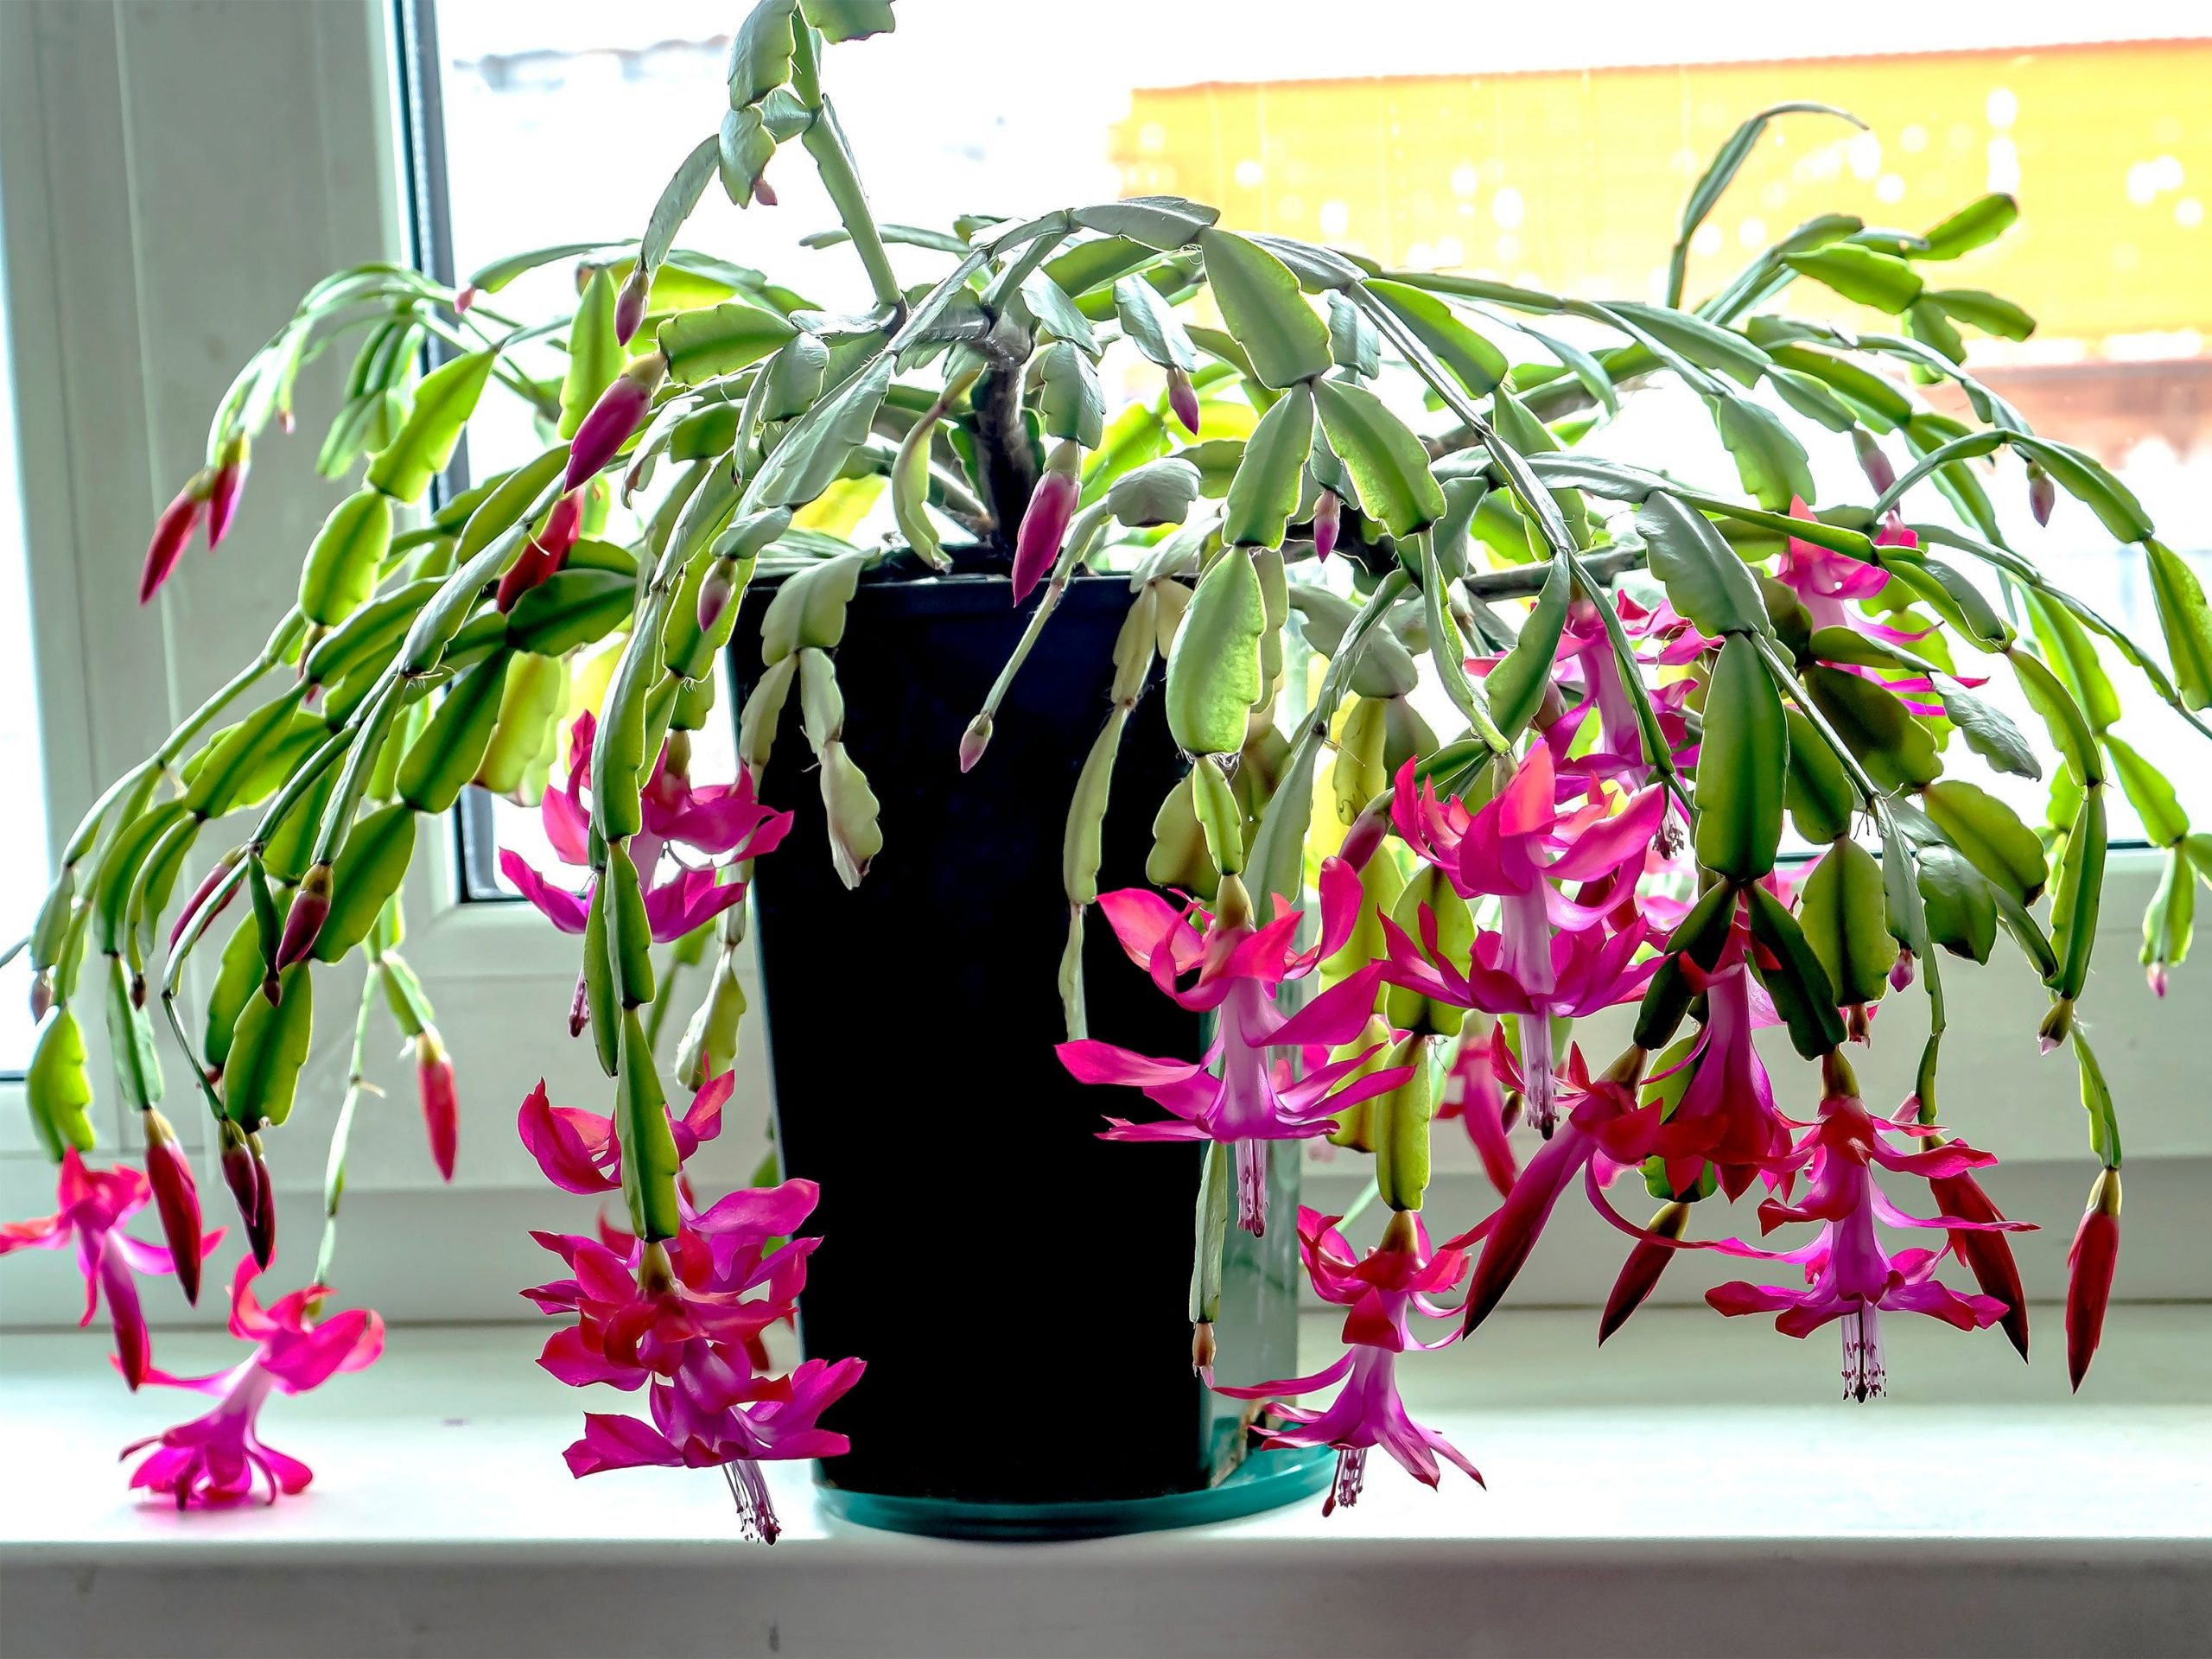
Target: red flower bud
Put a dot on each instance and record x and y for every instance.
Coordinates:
(172, 535)
(42, 995)
(1901, 971)
(617, 414)
(214, 879)
(440, 1104)
(1640, 1273)
(630, 304)
(1988, 1256)
(1045, 524)
(303, 921)
(1182, 399)
(2089, 1266)
(176, 1199)
(545, 553)
(974, 741)
(1365, 836)
(223, 492)
(1328, 517)
(1874, 463)
(247, 1176)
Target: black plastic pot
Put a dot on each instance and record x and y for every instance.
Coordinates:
(1017, 1286)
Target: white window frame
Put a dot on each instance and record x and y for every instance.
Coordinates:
(174, 176)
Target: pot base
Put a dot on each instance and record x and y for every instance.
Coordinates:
(1265, 1480)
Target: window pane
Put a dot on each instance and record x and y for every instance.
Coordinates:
(1551, 158)
(23, 829)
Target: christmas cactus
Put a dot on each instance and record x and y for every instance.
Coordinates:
(1349, 503)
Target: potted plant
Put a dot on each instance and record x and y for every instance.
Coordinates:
(1178, 656)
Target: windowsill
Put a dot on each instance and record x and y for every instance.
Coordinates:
(1697, 1488)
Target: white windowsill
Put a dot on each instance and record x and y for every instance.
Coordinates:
(1696, 1489)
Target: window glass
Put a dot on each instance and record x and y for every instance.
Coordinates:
(1513, 149)
(23, 827)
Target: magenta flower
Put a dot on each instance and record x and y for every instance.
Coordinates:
(1602, 1123)
(1472, 1095)
(620, 409)
(1849, 1275)
(1823, 579)
(1381, 1290)
(213, 1461)
(1515, 847)
(1728, 1092)
(1618, 750)
(724, 821)
(578, 1150)
(712, 1414)
(1230, 1094)
(1044, 521)
(92, 1205)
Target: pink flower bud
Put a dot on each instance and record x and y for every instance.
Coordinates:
(617, 414)
(2043, 494)
(1874, 463)
(630, 304)
(1328, 516)
(762, 194)
(714, 591)
(247, 1176)
(440, 1104)
(545, 553)
(177, 1198)
(230, 469)
(2156, 976)
(172, 534)
(1901, 971)
(303, 921)
(214, 879)
(2056, 1025)
(468, 297)
(42, 995)
(2089, 1266)
(974, 741)
(1043, 526)
(580, 1008)
(1182, 399)
(1365, 837)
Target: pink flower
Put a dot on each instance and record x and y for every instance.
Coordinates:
(1045, 522)
(577, 1150)
(720, 820)
(713, 1413)
(622, 407)
(1602, 1121)
(1849, 1275)
(1471, 1094)
(433, 1085)
(1585, 644)
(1230, 1094)
(93, 1203)
(1728, 1094)
(213, 1461)
(1515, 847)
(1822, 579)
(1381, 1290)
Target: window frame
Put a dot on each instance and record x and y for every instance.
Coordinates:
(146, 224)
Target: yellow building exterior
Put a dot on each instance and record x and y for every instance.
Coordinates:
(1574, 181)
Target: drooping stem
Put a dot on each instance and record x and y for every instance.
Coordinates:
(341, 1132)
